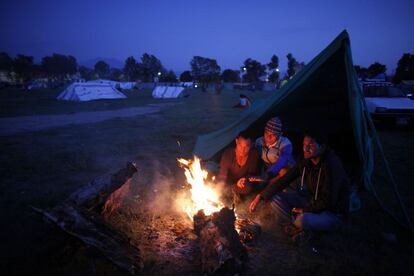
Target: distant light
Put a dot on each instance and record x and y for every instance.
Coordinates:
(244, 68)
(277, 69)
(196, 86)
(159, 73)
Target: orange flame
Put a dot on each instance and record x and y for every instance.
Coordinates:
(203, 195)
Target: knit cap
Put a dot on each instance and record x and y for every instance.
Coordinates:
(274, 125)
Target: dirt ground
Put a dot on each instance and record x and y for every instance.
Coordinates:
(41, 168)
(21, 124)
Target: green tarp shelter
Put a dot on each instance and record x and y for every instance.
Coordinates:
(324, 96)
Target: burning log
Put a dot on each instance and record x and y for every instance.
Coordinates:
(221, 249)
(249, 231)
(80, 216)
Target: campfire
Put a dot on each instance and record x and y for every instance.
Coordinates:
(204, 196)
(220, 232)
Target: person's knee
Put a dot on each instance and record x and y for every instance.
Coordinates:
(317, 222)
(276, 202)
(282, 172)
(299, 221)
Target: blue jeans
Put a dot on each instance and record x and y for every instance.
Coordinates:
(283, 202)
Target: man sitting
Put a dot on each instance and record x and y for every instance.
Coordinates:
(321, 202)
(275, 149)
(238, 163)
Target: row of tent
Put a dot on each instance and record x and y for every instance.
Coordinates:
(95, 90)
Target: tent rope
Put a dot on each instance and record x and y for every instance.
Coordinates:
(394, 186)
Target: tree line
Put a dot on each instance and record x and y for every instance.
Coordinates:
(149, 68)
(146, 69)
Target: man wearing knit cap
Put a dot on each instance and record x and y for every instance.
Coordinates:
(321, 202)
(274, 149)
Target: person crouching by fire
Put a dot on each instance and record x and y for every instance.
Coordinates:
(238, 164)
(275, 150)
(321, 201)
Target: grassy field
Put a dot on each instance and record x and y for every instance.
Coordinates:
(42, 168)
(17, 102)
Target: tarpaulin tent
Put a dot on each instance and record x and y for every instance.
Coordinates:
(324, 96)
(89, 91)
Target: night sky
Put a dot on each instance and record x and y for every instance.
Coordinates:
(226, 30)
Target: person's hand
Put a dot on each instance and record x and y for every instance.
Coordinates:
(255, 179)
(297, 210)
(241, 183)
(254, 203)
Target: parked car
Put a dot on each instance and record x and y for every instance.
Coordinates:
(388, 104)
(37, 84)
(407, 86)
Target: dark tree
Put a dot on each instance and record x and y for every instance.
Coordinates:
(205, 70)
(405, 68)
(186, 76)
(273, 66)
(292, 64)
(102, 69)
(362, 72)
(23, 67)
(254, 70)
(37, 71)
(299, 66)
(6, 62)
(71, 65)
(150, 66)
(59, 65)
(229, 75)
(115, 74)
(131, 69)
(85, 72)
(169, 76)
(375, 69)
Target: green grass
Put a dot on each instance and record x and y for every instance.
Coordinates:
(42, 168)
(17, 102)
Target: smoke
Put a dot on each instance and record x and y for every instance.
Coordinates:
(162, 190)
(166, 190)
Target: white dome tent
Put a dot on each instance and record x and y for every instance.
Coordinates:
(89, 92)
(115, 84)
(168, 92)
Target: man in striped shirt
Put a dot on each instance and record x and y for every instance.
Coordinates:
(275, 149)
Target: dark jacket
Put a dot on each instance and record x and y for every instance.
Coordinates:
(327, 184)
(230, 172)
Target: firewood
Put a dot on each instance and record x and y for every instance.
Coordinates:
(93, 231)
(80, 216)
(220, 246)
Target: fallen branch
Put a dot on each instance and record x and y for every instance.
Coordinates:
(80, 216)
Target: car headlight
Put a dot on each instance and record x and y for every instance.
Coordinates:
(380, 109)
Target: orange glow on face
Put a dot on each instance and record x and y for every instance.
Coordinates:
(269, 138)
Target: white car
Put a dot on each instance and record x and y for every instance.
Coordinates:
(387, 103)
